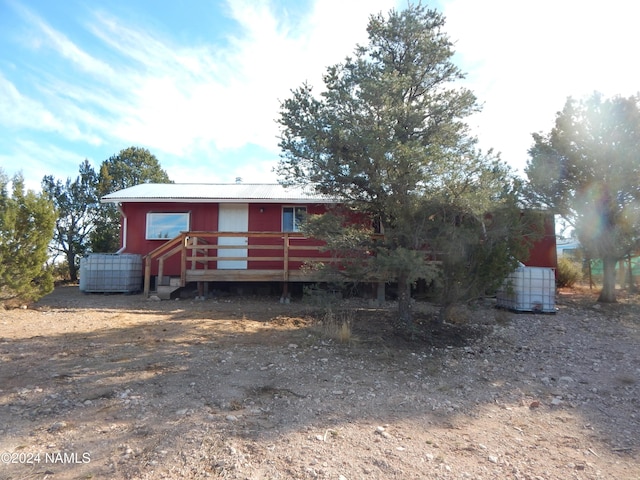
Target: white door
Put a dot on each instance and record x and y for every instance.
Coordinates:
(233, 217)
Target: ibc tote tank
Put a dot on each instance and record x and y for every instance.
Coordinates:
(529, 289)
(111, 273)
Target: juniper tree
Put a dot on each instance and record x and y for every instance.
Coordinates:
(26, 228)
(387, 136)
(76, 205)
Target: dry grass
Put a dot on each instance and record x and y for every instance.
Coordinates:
(337, 326)
(502, 317)
(457, 315)
(343, 333)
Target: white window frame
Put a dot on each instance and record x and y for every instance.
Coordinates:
(153, 233)
(295, 226)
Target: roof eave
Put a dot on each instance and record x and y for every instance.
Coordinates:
(218, 200)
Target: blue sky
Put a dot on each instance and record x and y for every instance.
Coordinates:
(199, 83)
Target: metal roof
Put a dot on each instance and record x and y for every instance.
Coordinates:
(216, 193)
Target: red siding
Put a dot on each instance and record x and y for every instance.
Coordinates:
(202, 217)
(543, 252)
(263, 217)
(267, 217)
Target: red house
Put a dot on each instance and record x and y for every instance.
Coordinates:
(232, 232)
(218, 232)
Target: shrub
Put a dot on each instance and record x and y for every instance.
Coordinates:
(59, 271)
(322, 296)
(569, 272)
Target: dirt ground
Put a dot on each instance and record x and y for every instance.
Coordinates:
(121, 387)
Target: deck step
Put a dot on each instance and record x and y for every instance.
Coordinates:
(164, 291)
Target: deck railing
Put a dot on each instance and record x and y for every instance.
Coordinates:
(201, 254)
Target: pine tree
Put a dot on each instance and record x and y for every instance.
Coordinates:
(387, 137)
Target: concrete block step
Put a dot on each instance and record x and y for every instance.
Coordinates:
(165, 291)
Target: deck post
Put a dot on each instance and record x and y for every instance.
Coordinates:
(147, 275)
(380, 293)
(183, 261)
(285, 293)
(285, 270)
(285, 266)
(160, 280)
(194, 252)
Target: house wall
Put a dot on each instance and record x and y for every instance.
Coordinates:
(543, 253)
(267, 217)
(202, 217)
(263, 217)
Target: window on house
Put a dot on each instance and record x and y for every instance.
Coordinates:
(164, 226)
(377, 225)
(292, 218)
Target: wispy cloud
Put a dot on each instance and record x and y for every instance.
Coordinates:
(176, 98)
(49, 38)
(19, 111)
(34, 160)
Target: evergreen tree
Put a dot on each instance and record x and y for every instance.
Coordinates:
(27, 220)
(131, 166)
(588, 169)
(76, 205)
(387, 136)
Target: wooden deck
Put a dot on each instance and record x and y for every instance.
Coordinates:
(229, 275)
(262, 256)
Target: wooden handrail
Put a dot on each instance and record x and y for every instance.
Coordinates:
(148, 258)
(202, 247)
(198, 243)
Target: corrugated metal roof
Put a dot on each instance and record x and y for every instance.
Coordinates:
(216, 193)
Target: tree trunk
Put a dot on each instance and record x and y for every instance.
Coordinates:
(630, 282)
(443, 314)
(404, 300)
(73, 270)
(608, 293)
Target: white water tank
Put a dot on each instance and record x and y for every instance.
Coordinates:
(111, 273)
(529, 289)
